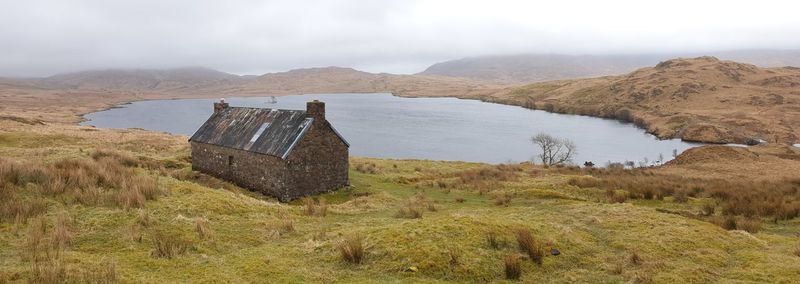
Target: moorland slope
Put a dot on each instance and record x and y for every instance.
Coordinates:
(697, 99)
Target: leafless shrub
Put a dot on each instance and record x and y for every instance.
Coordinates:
(555, 151)
(351, 249)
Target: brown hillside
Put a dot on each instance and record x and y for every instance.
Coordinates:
(698, 99)
(763, 162)
(343, 80)
(63, 98)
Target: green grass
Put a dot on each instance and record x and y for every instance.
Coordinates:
(596, 238)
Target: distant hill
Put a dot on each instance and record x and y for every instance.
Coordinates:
(547, 67)
(539, 67)
(142, 79)
(65, 97)
(699, 99)
(762, 58)
(347, 80)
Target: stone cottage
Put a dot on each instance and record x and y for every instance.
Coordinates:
(286, 154)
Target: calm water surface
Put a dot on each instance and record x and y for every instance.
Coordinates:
(385, 126)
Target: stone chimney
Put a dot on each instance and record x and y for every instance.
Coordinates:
(316, 109)
(219, 106)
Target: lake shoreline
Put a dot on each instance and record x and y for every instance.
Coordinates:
(432, 128)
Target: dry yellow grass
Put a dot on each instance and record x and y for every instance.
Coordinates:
(700, 99)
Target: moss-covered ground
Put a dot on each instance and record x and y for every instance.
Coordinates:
(247, 237)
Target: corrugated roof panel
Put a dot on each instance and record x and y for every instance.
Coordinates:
(235, 127)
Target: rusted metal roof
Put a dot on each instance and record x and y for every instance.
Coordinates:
(267, 131)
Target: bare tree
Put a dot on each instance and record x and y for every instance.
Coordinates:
(555, 151)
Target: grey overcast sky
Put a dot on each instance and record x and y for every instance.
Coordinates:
(39, 38)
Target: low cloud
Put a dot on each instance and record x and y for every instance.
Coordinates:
(41, 38)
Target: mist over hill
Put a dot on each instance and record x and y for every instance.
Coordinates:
(547, 67)
(141, 79)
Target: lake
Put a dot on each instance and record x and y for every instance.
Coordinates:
(386, 126)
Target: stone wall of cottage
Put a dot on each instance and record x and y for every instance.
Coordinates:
(319, 162)
(258, 172)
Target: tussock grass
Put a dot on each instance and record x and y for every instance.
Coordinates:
(280, 228)
(144, 218)
(37, 246)
(512, 266)
(62, 230)
(367, 168)
(106, 179)
(134, 233)
(409, 211)
(104, 273)
(315, 207)
(528, 245)
(503, 199)
(593, 230)
(167, 245)
(617, 269)
(19, 209)
(52, 270)
(286, 226)
(751, 225)
(614, 196)
(635, 259)
(474, 178)
(202, 228)
(779, 199)
(495, 241)
(454, 255)
(351, 249)
(708, 209)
